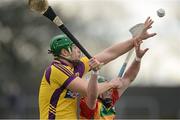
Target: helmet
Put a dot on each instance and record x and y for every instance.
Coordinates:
(101, 79)
(59, 42)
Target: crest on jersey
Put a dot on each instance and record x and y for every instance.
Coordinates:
(70, 94)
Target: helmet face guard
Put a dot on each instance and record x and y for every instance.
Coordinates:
(60, 42)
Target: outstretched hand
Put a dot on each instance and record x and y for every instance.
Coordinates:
(139, 52)
(147, 25)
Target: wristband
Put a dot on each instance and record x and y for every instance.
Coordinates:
(138, 59)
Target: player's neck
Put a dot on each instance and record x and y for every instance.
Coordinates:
(67, 62)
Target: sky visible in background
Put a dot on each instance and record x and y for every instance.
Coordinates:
(160, 66)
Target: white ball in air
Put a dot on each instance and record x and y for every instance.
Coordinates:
(161, 12)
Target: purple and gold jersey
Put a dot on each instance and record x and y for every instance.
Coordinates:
(55, 100)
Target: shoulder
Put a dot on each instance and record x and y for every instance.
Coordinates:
(84, 59)
(61, 69)
(85, 62)
(60, 73)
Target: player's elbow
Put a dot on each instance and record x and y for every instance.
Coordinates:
(91, 103)
(92, 106)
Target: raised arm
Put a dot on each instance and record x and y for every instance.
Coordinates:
(81, 86)
(92, 91)
(92, 88)
(133, 70)
(117, 50)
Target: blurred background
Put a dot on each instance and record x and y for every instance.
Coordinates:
(24, 44)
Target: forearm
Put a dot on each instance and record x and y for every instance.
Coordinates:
(92, 91)
(129, 76)
(115, 51)
(132, 71)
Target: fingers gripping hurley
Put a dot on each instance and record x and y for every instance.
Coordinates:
(135, 30)
(43, 8)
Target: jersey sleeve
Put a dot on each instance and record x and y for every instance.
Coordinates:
(115, 96)
(85, 61)
(86, 112)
